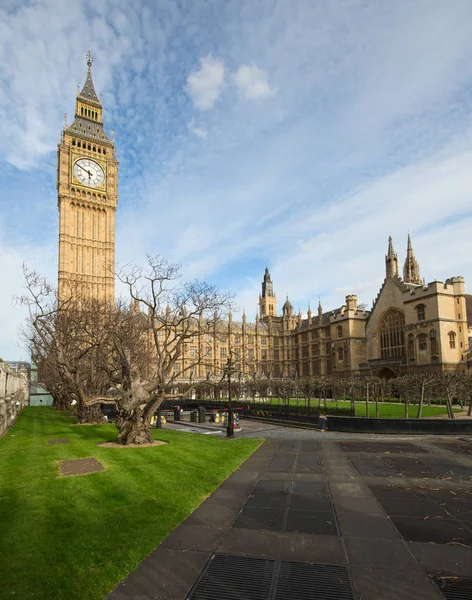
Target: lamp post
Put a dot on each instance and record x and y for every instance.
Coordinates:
(229, 428)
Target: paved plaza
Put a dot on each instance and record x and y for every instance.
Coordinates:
(325, 517)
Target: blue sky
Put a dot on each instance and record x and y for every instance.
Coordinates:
(297, 135)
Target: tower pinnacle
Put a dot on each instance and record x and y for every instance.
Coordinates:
(267, 300)
(411, 269)
(391, 261)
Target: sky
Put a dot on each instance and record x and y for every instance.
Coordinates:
(293, 135)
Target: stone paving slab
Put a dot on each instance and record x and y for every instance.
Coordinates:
(252, 512)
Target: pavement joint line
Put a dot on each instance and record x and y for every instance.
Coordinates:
(332, 455)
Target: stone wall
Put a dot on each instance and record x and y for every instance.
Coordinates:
(14, 394)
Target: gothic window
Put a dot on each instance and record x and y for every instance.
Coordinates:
(340, 354)
(420, 312)
(79, 145)
(339, 331)
(94, 149)
(193, 352)
(392, 344)
(99, 151)
(264, 341)
(73, 142)
(223, 352)
(452, 340)
(251, 354)
(411, 345)
(82, 111)
(104, 151)
(422, 342)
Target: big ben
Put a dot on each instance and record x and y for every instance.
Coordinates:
(87, 185)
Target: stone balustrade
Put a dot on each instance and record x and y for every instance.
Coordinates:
(14, 394)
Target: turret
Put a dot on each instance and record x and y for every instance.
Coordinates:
(351, 302)
(391, 261)
(411, 268)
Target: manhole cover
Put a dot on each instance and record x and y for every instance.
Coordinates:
(58, 441)
(323, 582)
(243, 578)
(234, 578)
(454, 588)
(80, 466)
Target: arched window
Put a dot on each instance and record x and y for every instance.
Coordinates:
(420, 312)
(422, 342)
(339, 331)
(392, 342)
(452, 340)
(411, 345)
(73, 142)
(340, 354)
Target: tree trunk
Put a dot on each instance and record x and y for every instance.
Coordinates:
(420, 405)
(450, 412)
(377, 403)
(367, 401)
(469, 413)
(90, 414)
(132, 429)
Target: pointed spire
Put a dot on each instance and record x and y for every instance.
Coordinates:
(320, 309)
(391, 261)
(88, 92)
(411, 268)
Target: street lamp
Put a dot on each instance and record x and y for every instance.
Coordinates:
(229, 428)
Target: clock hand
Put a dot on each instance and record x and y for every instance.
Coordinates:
(88, 172)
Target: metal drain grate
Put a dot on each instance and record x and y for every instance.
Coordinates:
(454, 588)
(243, 578)
(303, 581)
(235, 578)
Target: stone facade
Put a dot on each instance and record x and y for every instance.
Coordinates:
(411, 327)
(87, 184)
(13, 393)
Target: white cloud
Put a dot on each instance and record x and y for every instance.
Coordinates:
(252, 83)
(205, 85)
(198, 131)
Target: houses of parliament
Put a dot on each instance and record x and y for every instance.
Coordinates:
(411, 326)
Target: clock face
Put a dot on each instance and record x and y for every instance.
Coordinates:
(88, 172)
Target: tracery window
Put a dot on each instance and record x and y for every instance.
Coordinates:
(340, 331)
(452, 340)
(392, 342)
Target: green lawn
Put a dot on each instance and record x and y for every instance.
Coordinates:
(77, 537)
(386, 410)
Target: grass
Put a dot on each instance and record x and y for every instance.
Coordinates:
(386, 410)
(77, 537)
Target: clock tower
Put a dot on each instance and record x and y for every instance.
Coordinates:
(87, 186)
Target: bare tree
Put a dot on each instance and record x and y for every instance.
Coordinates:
(180, 321)
(61, 335)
